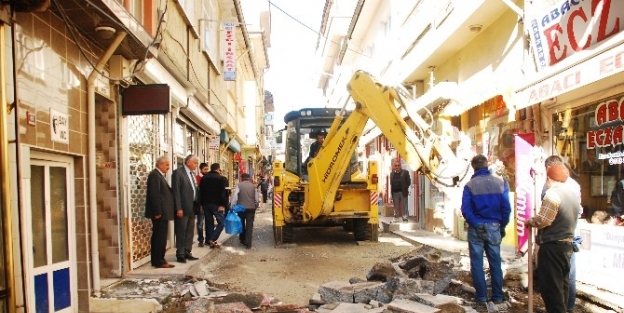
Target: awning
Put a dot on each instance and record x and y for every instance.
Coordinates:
(231, 144)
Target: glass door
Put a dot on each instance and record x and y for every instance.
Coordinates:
(52, 280)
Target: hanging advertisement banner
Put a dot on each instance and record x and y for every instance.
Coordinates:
(229, 46)
(525, 189)
(568, 27)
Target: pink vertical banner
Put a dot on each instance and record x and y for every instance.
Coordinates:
(525, 188)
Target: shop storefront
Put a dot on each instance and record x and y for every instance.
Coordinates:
(579, 92)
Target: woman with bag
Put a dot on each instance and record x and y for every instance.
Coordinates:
(245, 195)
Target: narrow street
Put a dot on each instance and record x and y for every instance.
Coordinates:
(292, 273)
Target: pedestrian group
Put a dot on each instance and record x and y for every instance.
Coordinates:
(197, 199)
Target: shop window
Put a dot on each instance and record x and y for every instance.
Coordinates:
(589, 138)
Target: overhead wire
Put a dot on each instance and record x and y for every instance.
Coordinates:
(316, 32)
(73, 28)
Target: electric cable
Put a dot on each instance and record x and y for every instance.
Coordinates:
(314, 31)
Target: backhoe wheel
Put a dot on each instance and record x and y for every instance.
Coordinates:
(287, 233)
(283, 234)
(348, 224)
(361, 229)
(278, 235)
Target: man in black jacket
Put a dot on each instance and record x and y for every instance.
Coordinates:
(214, 199)
(264, 189)
(159, 208)
(399, 183)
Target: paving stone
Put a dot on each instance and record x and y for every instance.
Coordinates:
(407, 306)
(202, 305)
(351, 308)
(434, 301)
(336, 291)
(365, 292)
(327, 308)
(381, 271)
(235, 307)
(469, 309)
(200, 287)
(316, 299)
(404, 288)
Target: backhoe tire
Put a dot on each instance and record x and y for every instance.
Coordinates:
(283, 234)
(361, 229)
(287, 234)
(348, 224)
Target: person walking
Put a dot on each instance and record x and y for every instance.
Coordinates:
(159, 206)
(200, 216)
(214, 199)
(486, 208)
(556, 222)
(186, 195)
(264, 189)
(399, 183)
(573, 185)
(245, 194)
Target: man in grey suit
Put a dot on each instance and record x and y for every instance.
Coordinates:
(186, 196)
(159, 208)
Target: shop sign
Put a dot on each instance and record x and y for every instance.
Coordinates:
(213, 143)
(601, 66)
(59, 127)
(229, 44)
(570, 26)
(608, 117)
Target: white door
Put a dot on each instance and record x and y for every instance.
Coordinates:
(52, 280)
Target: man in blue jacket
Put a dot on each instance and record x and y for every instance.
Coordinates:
(486, 208)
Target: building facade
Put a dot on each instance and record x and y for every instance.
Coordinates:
(87, 119)
(490, 90)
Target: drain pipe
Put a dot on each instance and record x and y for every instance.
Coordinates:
(95, 252)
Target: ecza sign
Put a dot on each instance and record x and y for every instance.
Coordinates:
(59, 127)
(573, 25)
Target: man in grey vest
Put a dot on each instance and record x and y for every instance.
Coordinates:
(245, 194)
(555, 221)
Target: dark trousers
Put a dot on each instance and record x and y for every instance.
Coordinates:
(158, 242)
(264, 196)
(247, 219)
(201, 230)
(553, 268)
(211, 213)
(184, 231)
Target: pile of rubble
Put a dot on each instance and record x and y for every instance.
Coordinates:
(412, 283)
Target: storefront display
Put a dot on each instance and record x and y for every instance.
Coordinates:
(590, 140)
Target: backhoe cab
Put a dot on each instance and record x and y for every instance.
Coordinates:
(329, 188)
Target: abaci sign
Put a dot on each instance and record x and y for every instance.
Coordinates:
(609, 119)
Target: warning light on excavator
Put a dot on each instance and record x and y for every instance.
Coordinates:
(374, 179)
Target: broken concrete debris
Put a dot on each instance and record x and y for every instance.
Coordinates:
(413, 283)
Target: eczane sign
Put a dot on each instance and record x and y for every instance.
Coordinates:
(571, 26)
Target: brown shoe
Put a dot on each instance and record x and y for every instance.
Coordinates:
(201, 244)
(165, 265)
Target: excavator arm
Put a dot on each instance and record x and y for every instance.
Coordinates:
(421, 148)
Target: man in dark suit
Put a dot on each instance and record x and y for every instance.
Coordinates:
(186, 196)
(214, 199)
(159, 208)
